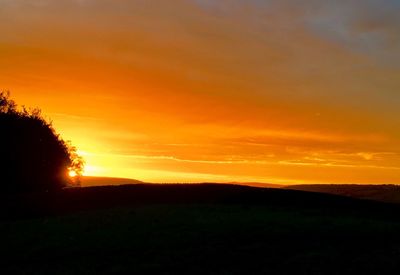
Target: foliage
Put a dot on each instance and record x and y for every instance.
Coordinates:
(33, 156)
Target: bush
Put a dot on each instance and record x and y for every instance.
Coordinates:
(33, 157)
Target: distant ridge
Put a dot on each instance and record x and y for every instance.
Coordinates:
(384, 192)
(258, 184)
(71, 200)
(105, 181)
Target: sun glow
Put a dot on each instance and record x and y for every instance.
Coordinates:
(72, 174)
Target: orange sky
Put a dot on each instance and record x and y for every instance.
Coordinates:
(188, 91)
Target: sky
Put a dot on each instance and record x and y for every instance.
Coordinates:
(272, 91)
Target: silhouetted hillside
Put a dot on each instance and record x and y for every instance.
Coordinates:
(100, 197)
(87, 181)
(384, 193)
(196, 229)
(258, 184)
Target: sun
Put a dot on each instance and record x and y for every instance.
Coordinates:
(72, 174)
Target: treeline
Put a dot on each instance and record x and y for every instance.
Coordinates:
(33, 157)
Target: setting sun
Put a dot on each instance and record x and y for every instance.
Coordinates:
(72, 174)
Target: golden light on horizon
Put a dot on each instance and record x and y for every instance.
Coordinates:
(189, 91)
(72, 174)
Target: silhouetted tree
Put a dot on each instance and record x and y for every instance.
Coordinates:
(33, 157)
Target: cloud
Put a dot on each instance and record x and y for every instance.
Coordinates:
(368, 27)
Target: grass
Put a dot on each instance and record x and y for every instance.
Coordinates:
(206, 238)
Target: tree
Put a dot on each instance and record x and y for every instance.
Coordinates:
(33, 157)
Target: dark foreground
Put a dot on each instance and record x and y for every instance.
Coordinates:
(383, 193)
(202, 229)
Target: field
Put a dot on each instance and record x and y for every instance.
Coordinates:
(199, 229)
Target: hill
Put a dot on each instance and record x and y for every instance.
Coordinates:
(196, 229)
(384, 193)
(102, 197)
(257, 184)
(88, 181)
(104, 181)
